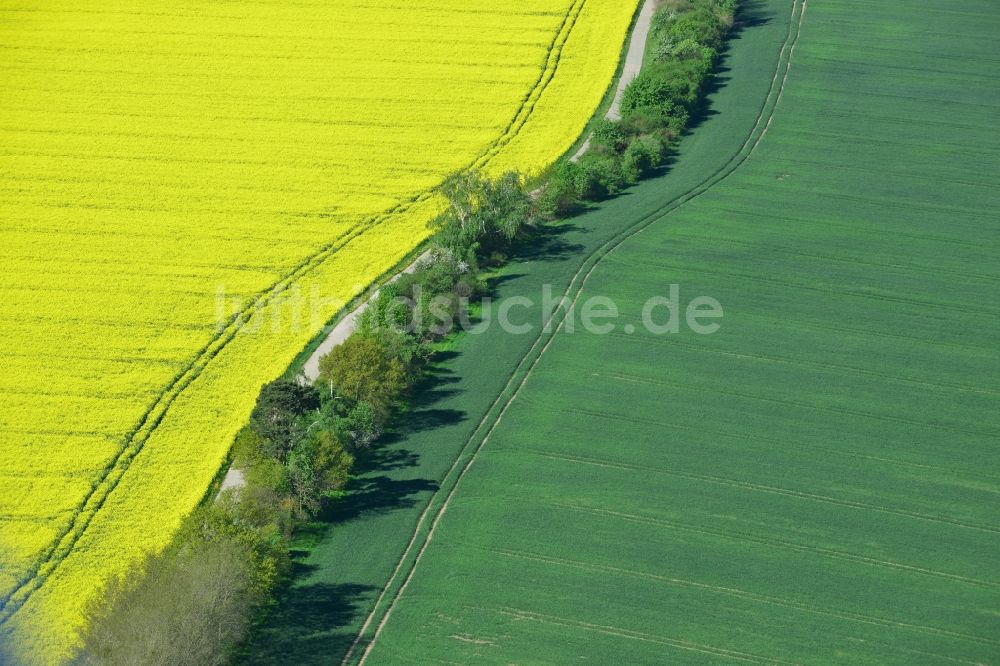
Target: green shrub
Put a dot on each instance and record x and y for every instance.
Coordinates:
(641, 158)
(698, 68)
(484, 214)
(386, 311)
(662, 20)
(219, 522)
(662, 85)
(424, 303)
(317, 466)
(412, 353)
(690, 49)
(605, 174)
(726, 7)
(363, 425)
(558, 197)
(438, 273)
(373, 368)
(585, 183)
(249, 447)
(594, 177)
(262, 502)
(701, 25)
(277, 416)
(663, 48)
(610, 135)
(667, 124)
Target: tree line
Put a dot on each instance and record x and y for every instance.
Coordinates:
(686, 39)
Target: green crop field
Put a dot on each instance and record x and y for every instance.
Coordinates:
(816, 482)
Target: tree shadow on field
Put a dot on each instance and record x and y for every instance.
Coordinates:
(494, 283)
(436, 385)
(751, 14)
(376, 487)
(376, 494)
(315, 622)
(310, 624)
(547, 243)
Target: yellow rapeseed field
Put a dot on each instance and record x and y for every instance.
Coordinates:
(158, 159)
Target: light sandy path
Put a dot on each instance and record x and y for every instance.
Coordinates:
(234, 479)
(346, 326)
(633, 65)
(634, 57)
(310, 372)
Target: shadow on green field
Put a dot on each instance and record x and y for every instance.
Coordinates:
(546, 243)
(308, 625)
(376, 494)
(752, 14)
(313, 623)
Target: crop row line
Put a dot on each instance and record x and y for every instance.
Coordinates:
(779, 544)
(680, 644)
(772, 490)
(702, 428)
(751, 596)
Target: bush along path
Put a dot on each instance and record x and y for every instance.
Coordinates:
(681, 44)
(366, 446)
(235, 478)
(346, 327)
(630, 70)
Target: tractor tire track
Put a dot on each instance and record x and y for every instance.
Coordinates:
(753, 597)
(775, 543)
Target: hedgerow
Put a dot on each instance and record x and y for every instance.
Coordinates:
(687, 37)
